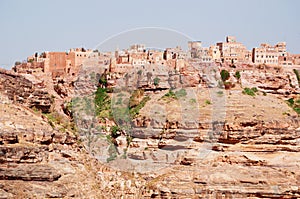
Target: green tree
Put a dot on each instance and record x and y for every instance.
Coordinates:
(224, 75)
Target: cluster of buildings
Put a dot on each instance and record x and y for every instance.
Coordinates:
(229, 52)
(62, 63)
(233, 52)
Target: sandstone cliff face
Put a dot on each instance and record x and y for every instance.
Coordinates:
(282, 82)
(40, 161)
(183, 152)
(208, 143)
(31, 93)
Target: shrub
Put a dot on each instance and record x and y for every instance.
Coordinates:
(224, 75)
(254, 89)
(193, 101)
(103, 80)
(139, 72)
(128, 139)
(170, 94)
(297, 109)
(220, 93)
(156, 81)
(102, 103)
(181, 93)
(114, 131)
(121, 116)
(207, 102)
(112, 151)
(134, 111)
(237, 75)
(175, 95)
(250, 91)
(135, 97)
(294, 104)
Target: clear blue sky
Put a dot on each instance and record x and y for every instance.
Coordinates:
(58, 25)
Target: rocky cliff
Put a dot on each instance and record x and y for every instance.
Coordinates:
(25, 89)
(197, 140)
(39, 160)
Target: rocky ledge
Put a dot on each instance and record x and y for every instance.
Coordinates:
(25, 89)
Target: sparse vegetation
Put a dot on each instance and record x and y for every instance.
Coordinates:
(193, 101)
(175, 95)
(93, 76)
(156, 81)
(224, 75)
(294, 104)
(57, 120)
(208, 102)
(250, 91)
(297, 75)
(170, 94)
(136, 97)
(119, 101)
(220, 93)
(103, 103)
(181, 93)
(286, 113)
(112, 150)
(136, 102)
(128, 139)
(103, 81)
(134, 111)
(237, 75)
(115, 131)
(254, 89)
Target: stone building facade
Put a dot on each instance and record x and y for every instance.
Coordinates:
(196, 51)
(215, 53)
(296, 59)
(233, 51)
(268, 54)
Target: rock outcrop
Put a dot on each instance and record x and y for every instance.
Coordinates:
(199, 141)
(25, 89)
(38, 160)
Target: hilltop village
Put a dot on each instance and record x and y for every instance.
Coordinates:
(230, 52)
(213, 122)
